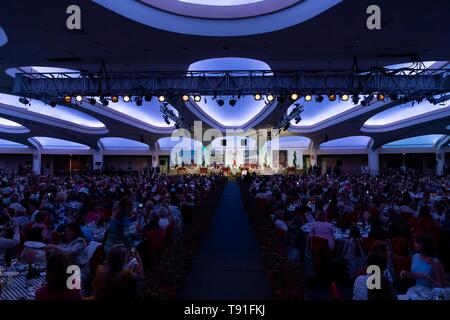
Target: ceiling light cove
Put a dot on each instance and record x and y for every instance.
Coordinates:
(228, 111)
(221, 2)
(219, 17)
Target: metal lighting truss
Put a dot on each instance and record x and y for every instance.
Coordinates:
(407, 81)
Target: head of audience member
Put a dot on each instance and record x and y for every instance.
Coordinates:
(56, 271)
(72, 232)
(424, 245)
(355, 233)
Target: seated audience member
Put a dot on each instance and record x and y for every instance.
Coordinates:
(55, 287)
(9, 237)
(425, 267)
(20, 216)
(33, 209)
(119, 224)
(381, 248)
(322, 229)
(295, 232)
(33, 251)
(360, 287)
(303, 207)
(398, 227)
(279, 221)
(164, 218)
(40, 223)
(114, 281)
(425, 223)
(353, 252)
(72, 245)
(377, 230)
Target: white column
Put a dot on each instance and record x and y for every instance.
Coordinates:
(440, 162)
(155, 158)
(374, 161)
(313, 154)
(37, 162)
(97, 159)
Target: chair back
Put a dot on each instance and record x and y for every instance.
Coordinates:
(156, 242)
(401, 263)
(399, 246)
(335, 292)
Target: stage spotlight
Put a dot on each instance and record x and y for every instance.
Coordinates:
(297, 120)
(258, 97)
(166, 120)
(345, 97)
(355, 98)
(381, 97)
(197, 98)
(92, 101)
(24, 100)
(332, 97)
(52, 104)
(185, 98)
(115, 99)
(79, 98)
(419, 99)
(294, 97)
(161, 98)
(126, 98)
(270, 97)
(308, 98)
(67, 99)
(319, 98)
(138, 101)
(232, 102)
(104, 101)
(220, 102)
(148, 98)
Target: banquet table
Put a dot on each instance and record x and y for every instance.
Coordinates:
(14, 284)
(423, 293)
(339, 235)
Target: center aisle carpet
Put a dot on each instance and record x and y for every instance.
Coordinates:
(227, 264)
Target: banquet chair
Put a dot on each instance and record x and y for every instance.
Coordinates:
(281, 234)
(320, 254)
(335, 292)
(401, 263)
(367, 243)
(156, 242)
(168, 234)
(399, 246)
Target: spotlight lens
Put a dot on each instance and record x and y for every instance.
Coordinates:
(308, 97)
(161, 98)
(332, 97)
(79, 98)
(381, 97)
(115, 99)
(345, 97)
(197, 98)
(68, 99)
(258, 97)
(126, 99)
(270, 97)
(185, 98)
(294, 96)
